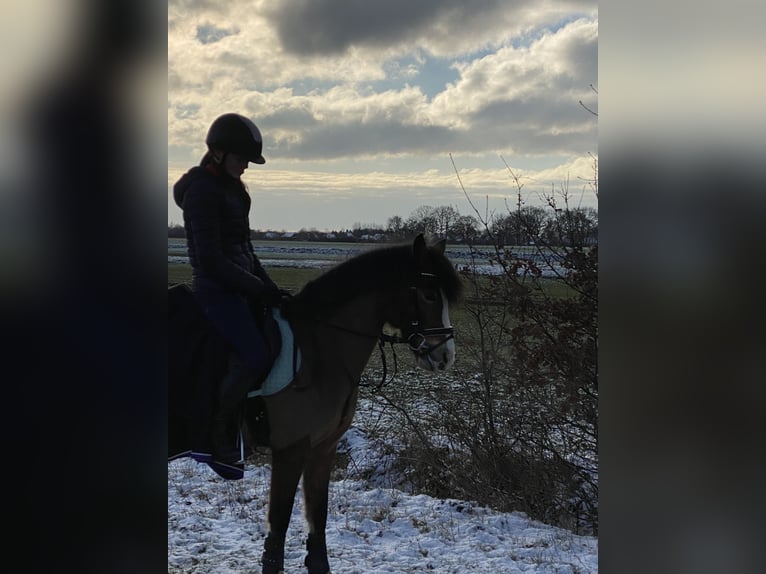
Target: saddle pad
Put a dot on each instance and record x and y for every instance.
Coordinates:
(283, 370)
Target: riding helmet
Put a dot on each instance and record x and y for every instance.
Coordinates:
(237, 134)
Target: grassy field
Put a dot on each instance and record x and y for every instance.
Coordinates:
(290, 278)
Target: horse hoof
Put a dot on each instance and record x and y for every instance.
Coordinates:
(272, 562)
(317, 565)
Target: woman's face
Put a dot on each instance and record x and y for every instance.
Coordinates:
(234, 164)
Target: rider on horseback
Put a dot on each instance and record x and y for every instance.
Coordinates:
(226, 273)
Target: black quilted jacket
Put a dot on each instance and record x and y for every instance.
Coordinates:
(216, 209)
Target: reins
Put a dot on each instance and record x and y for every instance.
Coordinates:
(382, 340)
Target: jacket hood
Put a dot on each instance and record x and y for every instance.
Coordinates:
(183, 184)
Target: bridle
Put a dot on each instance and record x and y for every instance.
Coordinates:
(416, 337)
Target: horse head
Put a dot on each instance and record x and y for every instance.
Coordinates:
(422, 309)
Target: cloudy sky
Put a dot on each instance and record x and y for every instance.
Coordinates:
(361, 103)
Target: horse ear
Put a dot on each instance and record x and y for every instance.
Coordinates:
(419, 247)
(440, 246)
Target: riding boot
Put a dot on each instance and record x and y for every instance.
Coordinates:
(232, 392)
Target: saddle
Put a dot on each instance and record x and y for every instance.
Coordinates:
(198, 359)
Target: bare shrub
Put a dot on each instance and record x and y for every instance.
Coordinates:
(518, 428)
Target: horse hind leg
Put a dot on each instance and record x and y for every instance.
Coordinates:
(286, 468)
(316, 483)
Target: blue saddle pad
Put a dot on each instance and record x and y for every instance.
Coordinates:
(284, 368)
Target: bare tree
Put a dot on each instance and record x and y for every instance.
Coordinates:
(466, 228)
(445, 217)
(421, 220)
(395, 227)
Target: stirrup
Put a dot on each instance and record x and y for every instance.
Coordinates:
(241, 441)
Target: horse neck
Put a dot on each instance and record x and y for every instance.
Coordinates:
(362, 317)
(351, 331)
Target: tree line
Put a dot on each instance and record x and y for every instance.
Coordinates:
(527, 225)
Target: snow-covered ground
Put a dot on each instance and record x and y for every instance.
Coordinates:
(217, 526)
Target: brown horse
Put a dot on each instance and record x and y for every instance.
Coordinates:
(337, 320)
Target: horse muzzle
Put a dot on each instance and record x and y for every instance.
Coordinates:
(434, 349)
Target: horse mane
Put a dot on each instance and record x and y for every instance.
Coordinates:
(385, 268)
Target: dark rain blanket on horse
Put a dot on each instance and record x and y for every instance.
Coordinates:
(198, 361)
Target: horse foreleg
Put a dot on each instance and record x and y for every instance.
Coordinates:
(316, 482)
(286, 468)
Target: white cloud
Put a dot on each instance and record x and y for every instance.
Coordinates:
(559, 66)
(342, 94)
